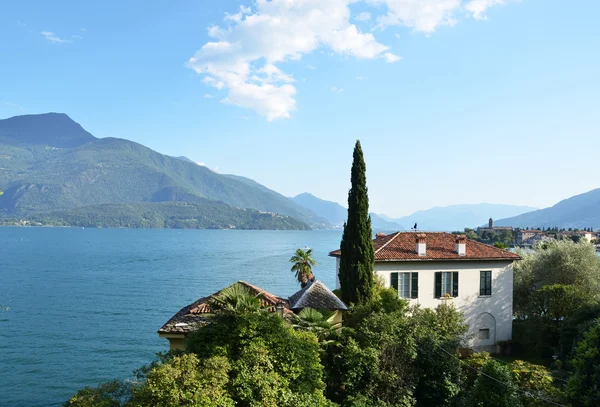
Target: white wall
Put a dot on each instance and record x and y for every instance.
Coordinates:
(480, 312)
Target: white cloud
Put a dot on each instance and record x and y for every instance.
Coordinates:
(479, 7)
(391, 58)
(244, 117)
(245, 53)
(208, 96)
(312, 68)
(50, 36)
(364, 16)
(337, 90)
(397, 35)
(361, 78)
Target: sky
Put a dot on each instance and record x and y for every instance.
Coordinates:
(453, 101)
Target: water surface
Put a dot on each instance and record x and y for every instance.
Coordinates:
(85, 304)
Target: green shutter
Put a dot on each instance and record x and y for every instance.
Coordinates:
(394, 280)
(482, 282)
(414, 285)
(438, 285)
(455, 284)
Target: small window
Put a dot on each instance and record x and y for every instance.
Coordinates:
(407, 284)
(484, 333)
(485, 283)
(446, 284)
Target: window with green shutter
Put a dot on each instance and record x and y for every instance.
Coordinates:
(485, 283)
(405, 283)
(446, 283)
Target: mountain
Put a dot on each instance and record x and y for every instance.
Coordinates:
(336, 214)
(50, 129)
(458, 217)
(203, 214)
(49, 163)
(580, 211)
(332, 211)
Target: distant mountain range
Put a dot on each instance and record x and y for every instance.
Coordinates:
(580, 211)
(458, 217)
(52, 171)
(336, 214)
(49, 163)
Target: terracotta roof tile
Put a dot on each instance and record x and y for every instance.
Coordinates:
(194, 316)
(401, 246)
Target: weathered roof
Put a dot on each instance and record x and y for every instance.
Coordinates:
(318, 296)
(194, 316)
(441, 246)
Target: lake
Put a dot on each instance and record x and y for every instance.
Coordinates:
(85, 304)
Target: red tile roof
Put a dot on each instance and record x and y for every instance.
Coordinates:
(401, 246)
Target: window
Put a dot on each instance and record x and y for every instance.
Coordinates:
(484, 333)
(407, 284)
(485, 283)
(446, 284)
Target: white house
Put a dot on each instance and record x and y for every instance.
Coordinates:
(428, 268)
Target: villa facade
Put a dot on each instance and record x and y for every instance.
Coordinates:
(431, 268)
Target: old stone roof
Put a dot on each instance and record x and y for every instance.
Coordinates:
(195, 315)
(440, 246)
(316, 295)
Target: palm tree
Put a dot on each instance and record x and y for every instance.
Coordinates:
(237, 299)
(302, 266)
(321, 323)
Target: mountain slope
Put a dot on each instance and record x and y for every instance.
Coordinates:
(579, 211)
(336, 214)
(458, 217)
(48, 171)
(51, 129)
(203, 214)
(332, 211)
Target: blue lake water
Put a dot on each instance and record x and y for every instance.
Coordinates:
(85, 304)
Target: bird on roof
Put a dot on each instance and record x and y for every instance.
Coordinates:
(415, 227)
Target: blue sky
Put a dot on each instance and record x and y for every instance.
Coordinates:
(454, 101)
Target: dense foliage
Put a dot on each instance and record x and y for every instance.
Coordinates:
(203, 214)
(358, 256)
(584, 385)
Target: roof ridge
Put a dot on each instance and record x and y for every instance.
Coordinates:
(388, 242)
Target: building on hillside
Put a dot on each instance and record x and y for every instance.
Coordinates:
(430, 268)
(524, 237)
(196, 315)
(493, 229)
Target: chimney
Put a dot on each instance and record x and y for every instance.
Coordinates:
(380, 234)
(421, 244)
(461, 245)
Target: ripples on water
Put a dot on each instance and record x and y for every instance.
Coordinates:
(85, 304)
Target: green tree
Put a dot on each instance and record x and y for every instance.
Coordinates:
(271, 363)
(537, 382)
(358, 256)
(495, 387)
(236, 299)
(186, 381)
(110, 394)
(584, 385)
(321, 323)
(302, 263)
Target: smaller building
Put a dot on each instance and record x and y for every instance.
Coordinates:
(524, 236)
(192, 317)
(493, 229)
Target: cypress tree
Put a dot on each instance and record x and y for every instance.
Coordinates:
(358, 256)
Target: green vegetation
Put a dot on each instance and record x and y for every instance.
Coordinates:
(358, 256)
(203, 214)
(302, 263)
(387, 354)
(584, 385)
